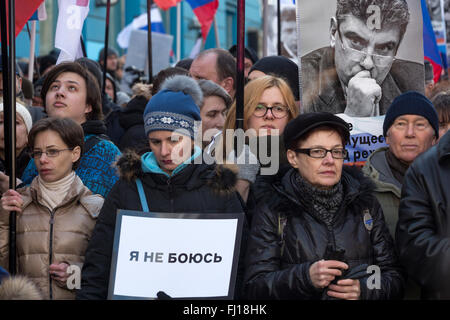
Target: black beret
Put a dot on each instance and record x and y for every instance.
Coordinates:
(304, 123)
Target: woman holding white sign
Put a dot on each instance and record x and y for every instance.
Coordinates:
(56, 213)
(321, 235)
(171, 178)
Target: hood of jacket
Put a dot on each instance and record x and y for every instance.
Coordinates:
(94, 127)
(133, 113)
(220, 178)
(377, 168)
(358, 189)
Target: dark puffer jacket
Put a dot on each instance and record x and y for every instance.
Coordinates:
(278, 262)
(423, 228)
(196, 188)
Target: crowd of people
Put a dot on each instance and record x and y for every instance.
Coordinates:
(313, 226)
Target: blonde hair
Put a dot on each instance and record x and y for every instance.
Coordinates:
(252, 95)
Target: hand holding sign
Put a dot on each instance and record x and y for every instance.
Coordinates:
(363, 96)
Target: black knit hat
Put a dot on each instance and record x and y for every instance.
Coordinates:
(304, 123)
(411, 102)
(248, 52)
(282, 67)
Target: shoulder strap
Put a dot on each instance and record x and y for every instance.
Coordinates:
(140, 188)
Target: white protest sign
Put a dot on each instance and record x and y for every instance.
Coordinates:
(366, 136)
(185, 256)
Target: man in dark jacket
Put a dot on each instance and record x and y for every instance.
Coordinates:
(423, 229)
(169, 185)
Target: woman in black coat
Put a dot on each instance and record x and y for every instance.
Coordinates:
(171, 181)
(321, 235)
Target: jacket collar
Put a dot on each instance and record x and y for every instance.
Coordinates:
(358, 189)
(443, 147)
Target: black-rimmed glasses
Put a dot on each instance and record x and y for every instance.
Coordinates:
(338, 153)
(278, 112)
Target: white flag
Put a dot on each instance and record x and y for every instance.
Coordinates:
(72, 14)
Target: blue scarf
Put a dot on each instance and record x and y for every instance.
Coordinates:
(150, 165)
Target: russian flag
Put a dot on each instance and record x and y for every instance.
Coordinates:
(205, 11)
(430, 48)
(166, 4)
(140, 23)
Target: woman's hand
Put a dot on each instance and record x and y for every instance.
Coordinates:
(12, 201)
(324, 271)
(348, 289)
(58, 273)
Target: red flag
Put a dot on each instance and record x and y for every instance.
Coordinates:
(24, 10)
(205, 10)
(166, 4)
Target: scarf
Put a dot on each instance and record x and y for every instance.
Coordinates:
(322, 203)
(53, 193)
(398, 167)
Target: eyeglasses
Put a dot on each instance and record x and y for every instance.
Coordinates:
(358, 55)
(322, 152)
(51, 153)
(278, 112)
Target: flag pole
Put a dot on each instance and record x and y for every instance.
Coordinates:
(278, 27)
(240, 65)
(265, 27)
(149, 41)
(9, 100)
(32, 50)
(300, 87)
(216, 33)
(105, 56)
(178, 31)
(83, 46)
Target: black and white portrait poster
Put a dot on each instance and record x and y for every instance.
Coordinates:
(288, 25)
(357, 56)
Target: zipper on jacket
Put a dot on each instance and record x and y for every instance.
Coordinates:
(50, 251)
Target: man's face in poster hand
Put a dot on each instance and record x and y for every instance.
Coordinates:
(358, 48)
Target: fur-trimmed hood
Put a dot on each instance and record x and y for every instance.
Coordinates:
(19, 288)
(220, 178)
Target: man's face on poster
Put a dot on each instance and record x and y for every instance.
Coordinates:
(358, 48)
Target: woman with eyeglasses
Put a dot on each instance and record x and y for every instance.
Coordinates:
(268, 106)
(56, 214)
(321, 234)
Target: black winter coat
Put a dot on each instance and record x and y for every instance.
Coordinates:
(423, 229)
(131, 119)
(196, 188)
(278, 262)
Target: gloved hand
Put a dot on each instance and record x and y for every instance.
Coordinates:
(247, 163)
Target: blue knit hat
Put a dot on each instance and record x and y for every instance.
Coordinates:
(175, 106)
(411, 102)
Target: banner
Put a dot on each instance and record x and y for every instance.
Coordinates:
(182, 255)
(71, 16)
(140, 23)
(355, 61)
(288, 29)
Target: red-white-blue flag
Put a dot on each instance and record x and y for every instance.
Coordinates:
(71, 16)
(430, 48)
(204, 10)
(24, 10)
